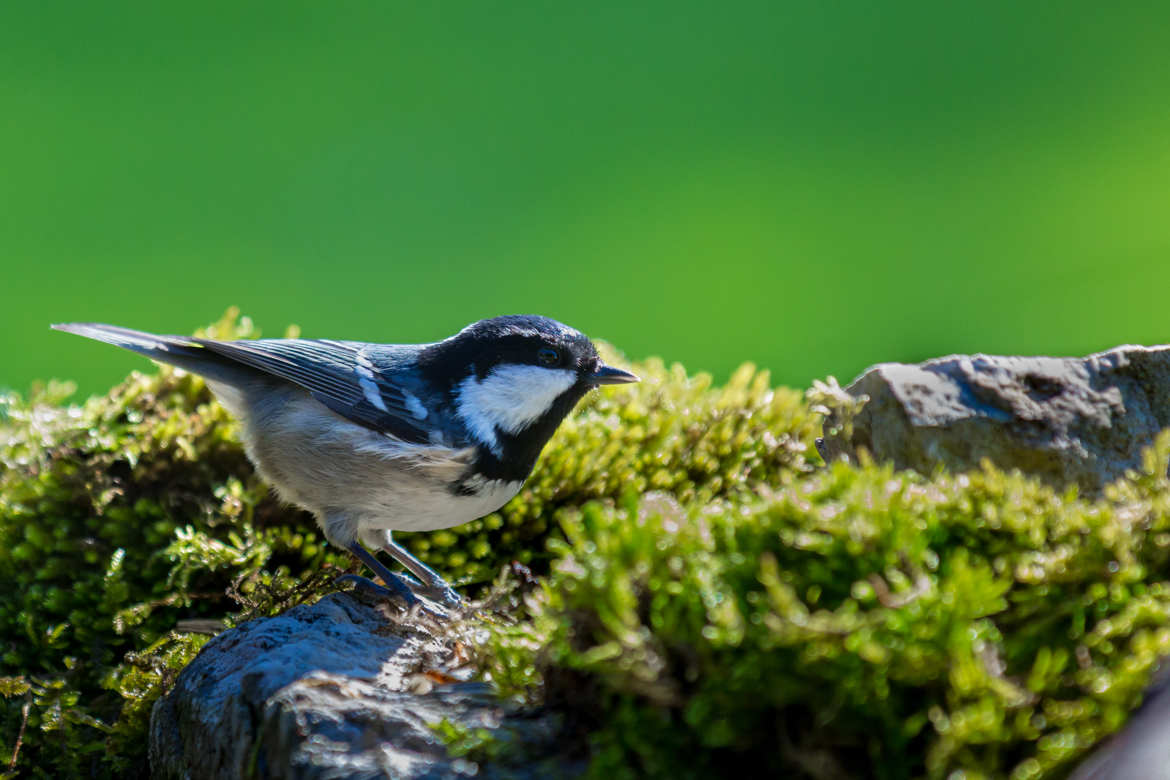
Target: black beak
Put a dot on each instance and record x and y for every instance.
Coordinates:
(608, 375)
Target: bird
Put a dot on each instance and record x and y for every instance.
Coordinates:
(376, 438)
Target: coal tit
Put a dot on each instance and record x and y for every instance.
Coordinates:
(376, 438)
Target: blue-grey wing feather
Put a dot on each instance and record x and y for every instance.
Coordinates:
(340, 374)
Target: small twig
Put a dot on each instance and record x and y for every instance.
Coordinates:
(888, 598)
(207, 626)
(20, 734)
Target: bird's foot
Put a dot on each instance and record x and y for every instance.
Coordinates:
(441, 593)
(426, 586)
(397, 589)
(436, 590)
(404, 589)
(425, 582)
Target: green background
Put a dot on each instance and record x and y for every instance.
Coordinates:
(812, 186)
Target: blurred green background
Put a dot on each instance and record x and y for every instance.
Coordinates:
(812, 186)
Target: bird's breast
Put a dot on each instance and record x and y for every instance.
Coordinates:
(422, 506)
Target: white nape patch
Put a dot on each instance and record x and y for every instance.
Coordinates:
(414, 406)
(365, 372)
(510, 398)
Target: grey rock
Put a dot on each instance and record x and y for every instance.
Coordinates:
(1141, 751)
(1081, 421)
(334, 690)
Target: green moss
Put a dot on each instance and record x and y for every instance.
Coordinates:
(859, 622)
(474, 744)
(122, 516)
(711, 596)
(140, 680)
(670, 433)
(118, 518)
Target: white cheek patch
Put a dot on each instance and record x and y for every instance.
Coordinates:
(510, 398)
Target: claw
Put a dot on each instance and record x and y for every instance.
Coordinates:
(397, 589)
(430, 585)
(441, 594)
(438, 603)
(425, 585)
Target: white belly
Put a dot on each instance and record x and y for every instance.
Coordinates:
(355, 479)
(431, 509)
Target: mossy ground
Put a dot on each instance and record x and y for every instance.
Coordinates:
(860, 623)
(712, 595)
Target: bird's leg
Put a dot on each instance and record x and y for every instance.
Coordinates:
(395, 587)
(433, 586)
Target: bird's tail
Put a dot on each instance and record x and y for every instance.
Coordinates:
(179, 351)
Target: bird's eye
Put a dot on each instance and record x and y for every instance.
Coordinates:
(548, 356)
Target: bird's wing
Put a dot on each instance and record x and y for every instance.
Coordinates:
(342, 375)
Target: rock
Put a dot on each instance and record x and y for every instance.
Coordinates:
(1081, 421)
(1140, 751)
(337, 689)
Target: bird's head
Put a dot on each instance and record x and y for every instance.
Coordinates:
(514, 379)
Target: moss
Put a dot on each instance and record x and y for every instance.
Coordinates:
(711, 597)
(118, 518)
(122, 516)
(670, 433)
(859, 623)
